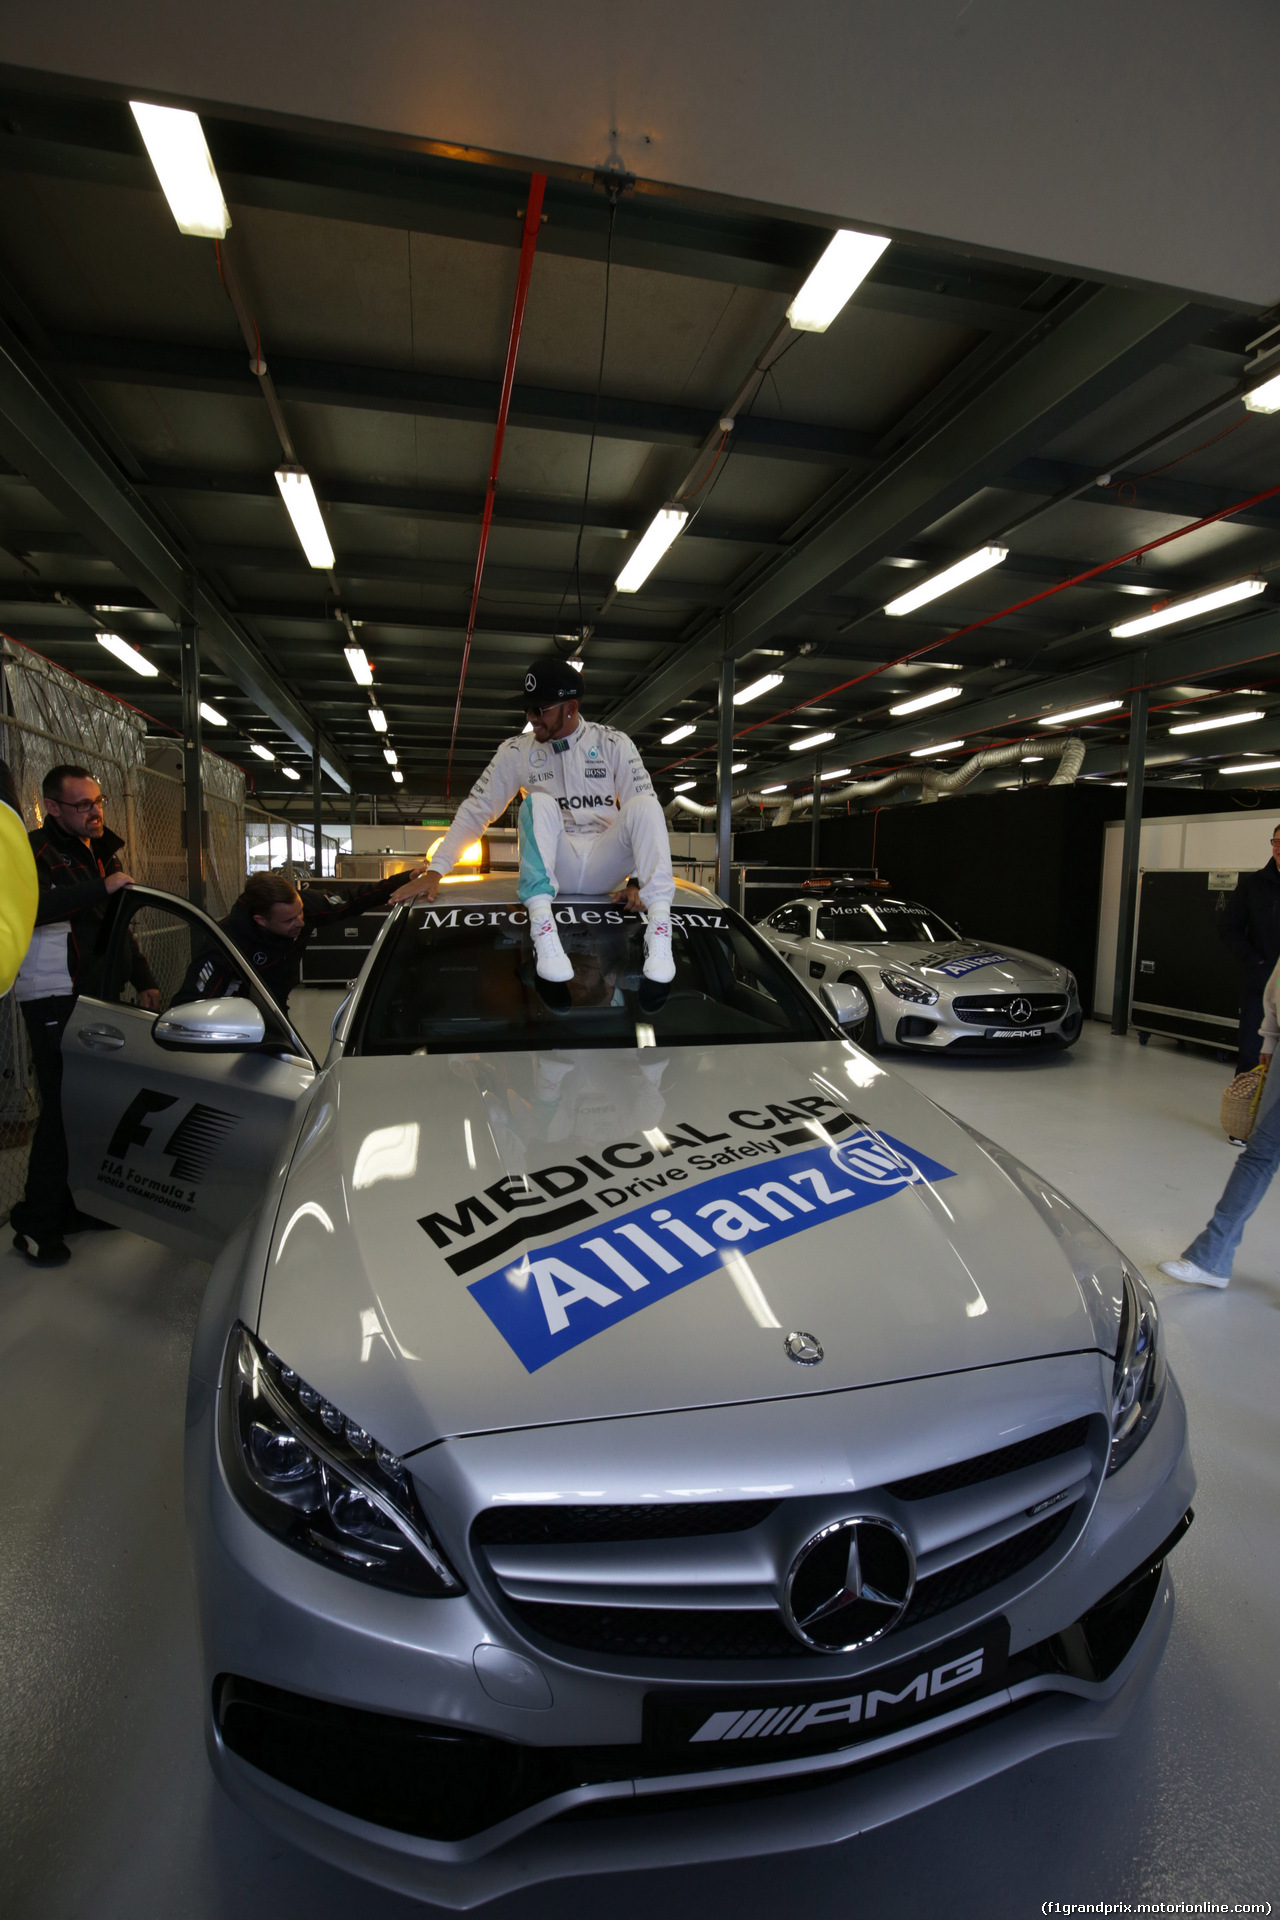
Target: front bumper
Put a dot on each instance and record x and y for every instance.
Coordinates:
(564, 1787)
(939, 1029)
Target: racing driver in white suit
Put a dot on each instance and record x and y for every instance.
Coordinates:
(589, 820)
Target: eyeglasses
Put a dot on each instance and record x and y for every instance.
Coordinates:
(81, 806)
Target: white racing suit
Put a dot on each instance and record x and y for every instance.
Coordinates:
(589, 819)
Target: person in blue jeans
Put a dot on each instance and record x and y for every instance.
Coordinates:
(1207, 1261)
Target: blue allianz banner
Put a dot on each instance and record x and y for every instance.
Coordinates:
(957, 969)
(558, 1296)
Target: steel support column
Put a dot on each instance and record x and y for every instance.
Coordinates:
(1129, 862)
(192, 759)
(317, 805)
(815, 836)
(724, 778)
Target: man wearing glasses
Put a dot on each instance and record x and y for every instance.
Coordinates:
(589, 819)
(78, 869)
(1251, 929)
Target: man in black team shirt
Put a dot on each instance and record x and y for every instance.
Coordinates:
(270, 924)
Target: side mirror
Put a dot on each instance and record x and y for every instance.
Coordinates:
(211, 1026)
(846, 1001)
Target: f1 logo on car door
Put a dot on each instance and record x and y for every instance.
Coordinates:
(190, 1149)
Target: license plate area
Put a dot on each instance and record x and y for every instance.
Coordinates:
(739, 1726)
(1015, 1033)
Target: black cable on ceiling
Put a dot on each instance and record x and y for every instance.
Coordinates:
(575, 578)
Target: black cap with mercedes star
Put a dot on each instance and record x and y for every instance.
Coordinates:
(550, 681)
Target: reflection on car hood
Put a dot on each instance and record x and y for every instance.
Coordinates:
(962, 965)
(485, 1241)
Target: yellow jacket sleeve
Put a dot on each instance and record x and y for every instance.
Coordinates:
(17, 895)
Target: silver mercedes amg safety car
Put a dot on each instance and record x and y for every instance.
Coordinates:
(627, 1425)
(926, 988)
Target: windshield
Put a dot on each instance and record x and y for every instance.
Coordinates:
(871, 922)
(462, 980)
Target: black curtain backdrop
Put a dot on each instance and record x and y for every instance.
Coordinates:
(1019, 869)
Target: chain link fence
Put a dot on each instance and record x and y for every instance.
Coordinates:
(48, 717)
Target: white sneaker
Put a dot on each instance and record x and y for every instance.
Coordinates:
(550, 958)
(659, 966)
(1194, 1275)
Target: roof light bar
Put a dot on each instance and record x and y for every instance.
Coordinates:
(845, 264)
(361, 671)
(1188, 609)
(212, 715)
(179, 152)
(1079, 713)
(129, 656)
(1219, 720)
(662, 530)
(299, 497)
(944, 746)
(923, 700)
(677, 733)
(765, 684)
(263, 753)
(377, 719)
(933, 589)
(810, 740)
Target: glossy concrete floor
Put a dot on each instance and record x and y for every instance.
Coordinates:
(107, 1809)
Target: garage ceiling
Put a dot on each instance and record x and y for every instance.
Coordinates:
(955, 402)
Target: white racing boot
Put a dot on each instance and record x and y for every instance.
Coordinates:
(550, 958)
(658, 963)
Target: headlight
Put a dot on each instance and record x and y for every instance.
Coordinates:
(908, 989)
(320, 1482)
(1073, 990)
(1137, 1384)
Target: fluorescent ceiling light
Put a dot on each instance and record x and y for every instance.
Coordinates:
(361, 671)
(1248, 766)
(127, 654)
(291, 773)
(680, 733)
(923, 700)
(948, 666)
(377, 719)
(765, 684)
(397, 776)
(940, 583)
(810, 740)
(837, 773)
(684, 786)
(1219, 720)
(1032, 759)
(848, 259)
(299, 497)
(212, 715)
(945, 746)
(739, 766)
(391, 757)
(1265, 398)
(662, 530)
(263, 753)
(1188, 609)
(780, 789)
(1080, 713)
(179, 152)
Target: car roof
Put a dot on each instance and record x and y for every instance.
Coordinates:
(844, 896)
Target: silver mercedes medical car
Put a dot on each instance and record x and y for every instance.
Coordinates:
(926, 988)
(627, 1425)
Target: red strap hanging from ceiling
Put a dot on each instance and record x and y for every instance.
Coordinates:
(532, 222)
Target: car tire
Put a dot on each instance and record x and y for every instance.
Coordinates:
(867, 1034)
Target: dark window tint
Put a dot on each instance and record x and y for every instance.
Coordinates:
(462, 980)
(874, 921)
(791, 920)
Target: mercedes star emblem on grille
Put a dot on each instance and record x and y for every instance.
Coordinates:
(803, 1348)
(1020, 1009)
(849, 1584)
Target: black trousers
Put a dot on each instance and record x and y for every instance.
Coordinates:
(46, 1209)
(1250, 1041)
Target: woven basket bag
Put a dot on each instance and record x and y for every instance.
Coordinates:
(1240, 1103)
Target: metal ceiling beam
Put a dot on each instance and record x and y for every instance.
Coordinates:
(1245, 642)
(447, 397)
(1093, 353)
(1183, 499)
(39, 438)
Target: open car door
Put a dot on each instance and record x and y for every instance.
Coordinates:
(175, 1138)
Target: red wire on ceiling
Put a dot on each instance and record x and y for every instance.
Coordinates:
(529, 241)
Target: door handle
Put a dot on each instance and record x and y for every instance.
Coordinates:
(101, 1039)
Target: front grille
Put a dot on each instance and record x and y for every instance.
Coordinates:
(982, 1571)
(559, 1526)
(988, 1009)
(988, 1466)
(663, 1633)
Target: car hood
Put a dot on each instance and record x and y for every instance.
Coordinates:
(474, 1242)
(963, 965)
